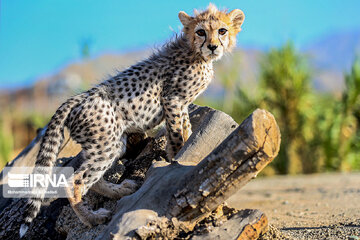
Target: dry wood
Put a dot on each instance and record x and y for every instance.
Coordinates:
(245, 224)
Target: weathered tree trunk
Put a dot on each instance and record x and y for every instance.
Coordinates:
(175, 198)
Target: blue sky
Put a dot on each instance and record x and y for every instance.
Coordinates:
(39, 37)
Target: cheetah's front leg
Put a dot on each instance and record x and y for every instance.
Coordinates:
(174, 126)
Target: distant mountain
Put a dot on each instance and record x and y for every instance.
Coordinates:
(335, 51)
(332, 56)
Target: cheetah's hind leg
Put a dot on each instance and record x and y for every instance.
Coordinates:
(83, 211)
(116, 191)
(98, 157)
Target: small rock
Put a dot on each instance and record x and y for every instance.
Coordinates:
(286, 202)
(268, 195)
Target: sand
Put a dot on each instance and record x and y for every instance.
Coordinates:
(319, 206)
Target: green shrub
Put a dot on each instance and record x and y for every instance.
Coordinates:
(6, 142)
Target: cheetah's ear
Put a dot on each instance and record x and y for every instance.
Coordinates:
(237, 18)
(185, 19)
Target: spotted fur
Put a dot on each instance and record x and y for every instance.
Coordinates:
(137, 99)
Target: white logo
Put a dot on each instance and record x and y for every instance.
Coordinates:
(37, 180)
(18, 180)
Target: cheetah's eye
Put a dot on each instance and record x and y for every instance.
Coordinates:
(222, 31)
(201, 32)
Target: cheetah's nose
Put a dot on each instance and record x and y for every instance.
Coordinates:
(212, 47)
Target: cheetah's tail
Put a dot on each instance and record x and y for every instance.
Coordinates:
(49, 149)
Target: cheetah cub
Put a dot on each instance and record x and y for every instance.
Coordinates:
(137, 99)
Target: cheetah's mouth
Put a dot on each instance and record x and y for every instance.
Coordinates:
(210, 55)
(213, 56)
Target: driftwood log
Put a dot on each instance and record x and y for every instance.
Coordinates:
(182, 199)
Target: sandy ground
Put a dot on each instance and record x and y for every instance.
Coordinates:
(320, 206)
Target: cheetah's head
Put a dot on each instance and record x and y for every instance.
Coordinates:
(212, 32)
